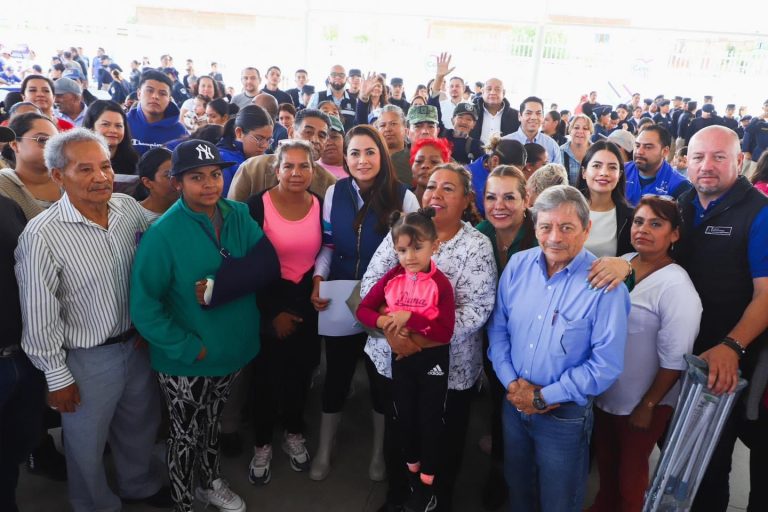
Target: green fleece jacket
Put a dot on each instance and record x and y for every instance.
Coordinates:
(176, 251)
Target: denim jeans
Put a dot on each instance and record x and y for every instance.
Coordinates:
(22, 402)
(546, 460)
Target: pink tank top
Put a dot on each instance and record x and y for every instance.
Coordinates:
(296, 242)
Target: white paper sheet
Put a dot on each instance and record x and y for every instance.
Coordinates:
(337, 320)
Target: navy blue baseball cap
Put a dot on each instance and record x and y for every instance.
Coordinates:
(195, 153)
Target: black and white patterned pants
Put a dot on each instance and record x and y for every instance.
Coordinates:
(194, 405)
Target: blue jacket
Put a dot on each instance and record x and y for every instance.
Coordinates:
(231, 155)
(353, 248)
(148, 135)
(667, 183)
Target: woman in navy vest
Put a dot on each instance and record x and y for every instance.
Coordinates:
(355, 221)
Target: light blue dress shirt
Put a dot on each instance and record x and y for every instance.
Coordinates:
(556, 332)
(543, 140)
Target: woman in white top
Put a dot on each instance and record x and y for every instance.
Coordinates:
(633, 413)
(603, 182)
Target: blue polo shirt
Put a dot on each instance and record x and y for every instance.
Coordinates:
(757, 251)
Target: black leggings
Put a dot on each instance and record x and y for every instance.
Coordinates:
(419, 387)
(281, 374)
(341, 356)
(452, 441)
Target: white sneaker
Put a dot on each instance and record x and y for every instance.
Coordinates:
(221, 497)
(294, 446)
(258, 469)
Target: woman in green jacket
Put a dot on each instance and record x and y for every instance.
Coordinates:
(197, 351)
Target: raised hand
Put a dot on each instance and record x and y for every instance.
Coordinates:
(443, 65)
(369, 82)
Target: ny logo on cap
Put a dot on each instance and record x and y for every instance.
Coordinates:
(204, 152)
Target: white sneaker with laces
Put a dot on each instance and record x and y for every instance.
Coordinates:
(294, 446)
(259, 468)
(221, 497)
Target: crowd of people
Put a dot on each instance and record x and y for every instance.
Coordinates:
(179, 242)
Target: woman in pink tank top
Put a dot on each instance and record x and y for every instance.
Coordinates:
(290, 217)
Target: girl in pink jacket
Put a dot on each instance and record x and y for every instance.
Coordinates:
(416, 299)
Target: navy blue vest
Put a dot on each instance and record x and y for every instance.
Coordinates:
(353, 249)
(715, 256)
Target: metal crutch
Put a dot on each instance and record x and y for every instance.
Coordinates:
(694, 433)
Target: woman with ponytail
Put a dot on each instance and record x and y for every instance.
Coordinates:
(246, 135)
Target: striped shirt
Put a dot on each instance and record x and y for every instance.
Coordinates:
(74, 279)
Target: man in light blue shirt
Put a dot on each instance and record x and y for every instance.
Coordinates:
(531, 117)
(554, 344)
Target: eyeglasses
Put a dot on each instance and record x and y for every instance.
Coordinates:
(261, 141)
(338, 75)
(42, 139)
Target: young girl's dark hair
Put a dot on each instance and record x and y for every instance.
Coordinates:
(418, 225)
(147, 168)
(223, 107)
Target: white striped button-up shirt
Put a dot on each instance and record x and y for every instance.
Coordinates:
(74, 279)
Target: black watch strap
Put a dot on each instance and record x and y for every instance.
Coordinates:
(538, 401)
(734, 345)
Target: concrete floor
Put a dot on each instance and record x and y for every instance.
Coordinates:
(348, 488)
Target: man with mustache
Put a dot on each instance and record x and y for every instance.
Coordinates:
(649, 172)
(555, 344)
(73, 268)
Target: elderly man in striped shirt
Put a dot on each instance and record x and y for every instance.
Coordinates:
(73, 268)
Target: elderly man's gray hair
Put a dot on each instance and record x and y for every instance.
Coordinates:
(554, 197)
(392, 108)
(56, 157)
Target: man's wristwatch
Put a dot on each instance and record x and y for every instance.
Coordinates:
(538, 401)
(734, 345)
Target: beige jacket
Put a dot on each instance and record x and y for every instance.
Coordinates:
(13, 188)
(258, 174)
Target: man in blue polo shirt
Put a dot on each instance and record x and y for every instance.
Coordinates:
(531, 117)
(649, 172)
(724, 248)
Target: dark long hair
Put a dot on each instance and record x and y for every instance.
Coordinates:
(20, 125)
(618, 194)
(761, 171)
(383, 197)
(250, 117)
(126, 158)
(217, 93)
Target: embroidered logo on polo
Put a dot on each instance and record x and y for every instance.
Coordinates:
(718, 230)
(204, 152)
